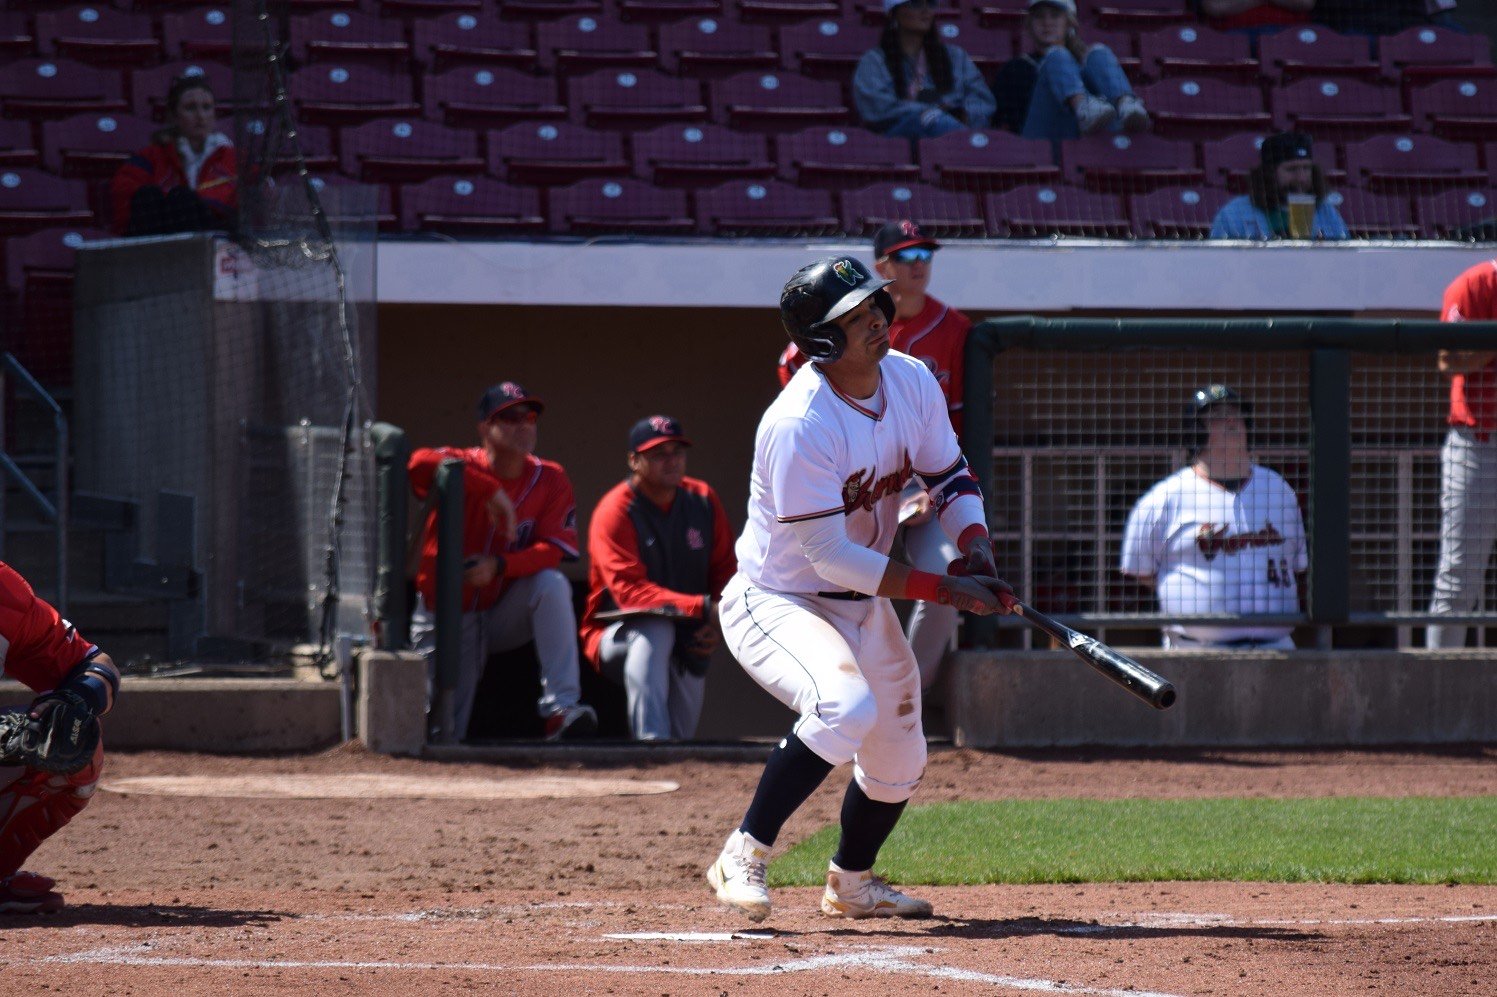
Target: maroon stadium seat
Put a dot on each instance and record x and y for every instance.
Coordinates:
(48, 254)
(622, 205)
(384, 216)
(401, 150)
(1204, 108)
(1002, 13)
(776, 102)
(668, 10)
(584, 43)
(1194, 50)
(765, 207)
(988, 47)
(552, 153)
(826, 48)
(1229, 160)
(841, 157)
(17, 148)
(471, 206)
(344, 36)
(467, 38)
(1313, 50)
(98, 35)
(787, 11)
(713, 47)
(1420, 55)
(31, 200)
(17, 41)
(1458, 214)
(148, 87)
(339, 94)
(492, 98)
(1343, 109)
(429, 8)
(49, 89)
(1457, 109)
(1043, 210)
(871, 12)
(1135, 14)
(1176, 212)
(92, 146)
(202, 32)
(700, 155)
(1130, 164)
(1409, 162)
(1375, 216)
(634, 99)
(541, 10)
(1124, 45)
(946, 214)
(315, 143)
(986, 160)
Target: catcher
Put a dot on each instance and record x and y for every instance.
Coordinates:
(50, 752)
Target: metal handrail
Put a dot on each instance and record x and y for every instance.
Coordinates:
(58, 510)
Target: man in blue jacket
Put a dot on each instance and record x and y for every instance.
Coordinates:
(1286, 169)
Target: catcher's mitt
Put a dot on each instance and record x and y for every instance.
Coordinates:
(58, 734)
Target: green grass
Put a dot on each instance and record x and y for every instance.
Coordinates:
(1332, 840)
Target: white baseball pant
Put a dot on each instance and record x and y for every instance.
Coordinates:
(1468, 528)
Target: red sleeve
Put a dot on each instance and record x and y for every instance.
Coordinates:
(613, 545)
(422, 471)
(44, 647)
(954, 402)
(790, 362)
(556, 522)
(133, 174)
(531, 560)
(724, 560)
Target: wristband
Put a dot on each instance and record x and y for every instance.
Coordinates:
(921, 585)
(969, 535)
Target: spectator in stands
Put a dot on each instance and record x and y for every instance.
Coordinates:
(913, 85)
(1386, 17)
(1063, 87)
(519, 523)
(1221, 536)
(184, 181)
(1255, 17)
(661, 552)
(1468, 461)
(1286, 172)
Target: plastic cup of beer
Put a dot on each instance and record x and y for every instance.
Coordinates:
(1301, 215)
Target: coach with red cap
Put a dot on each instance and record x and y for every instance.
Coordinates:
(661, 552)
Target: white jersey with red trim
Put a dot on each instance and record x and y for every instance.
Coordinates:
(819, 453)
(1212, 551)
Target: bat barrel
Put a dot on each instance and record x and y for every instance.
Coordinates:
(1132, 676)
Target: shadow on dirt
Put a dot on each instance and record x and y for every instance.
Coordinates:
(150, 915)
(1015, 927)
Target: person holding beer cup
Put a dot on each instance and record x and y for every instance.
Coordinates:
(1286, 197)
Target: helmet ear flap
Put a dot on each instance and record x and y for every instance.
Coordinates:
(884, 302)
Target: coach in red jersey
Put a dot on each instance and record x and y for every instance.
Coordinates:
(519, 524)
(48, 655)
(661, 552)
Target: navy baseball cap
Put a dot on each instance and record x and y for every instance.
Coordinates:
(1283, 148)
(895, 236)
(655, 430)
(506, 394)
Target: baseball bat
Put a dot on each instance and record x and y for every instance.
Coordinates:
(1151, 688)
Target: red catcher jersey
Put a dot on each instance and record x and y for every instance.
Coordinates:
(545, 514)
(1472, 297)
(937, 337)
(38, 648)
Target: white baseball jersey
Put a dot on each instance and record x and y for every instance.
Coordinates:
(819, 453)
(1215, 551)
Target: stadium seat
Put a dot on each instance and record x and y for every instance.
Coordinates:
(31, 200)
(713, 47)
(657, 11)
(765, 207)
(1458, 214)
(586, 42)
(1194, 50)
(1375, 216)
(315, 143)
(840, 157)
(871, 12)
(548, 154)
(1135, 14)
(429, 8)
(148, 87)
(466, 38)
(988, 47)
(945, 214)
(46, 255)
(407, 150)
(491, 98)
(1130, 164)
(634, 99)
(50, 89)
(17, 148)
(700, 155)
(787, 11)
(382, 209)
(1204, 108)
(1421, 55)
(98, 35)
(540, 10)
(329, 94)
(1457, 109)
(1176, 212)
(1124, 45)
(1412, 163)
(620, 205)
(92, 146)
(1002, 13)
(200, 33)
(986, 160)
(471, 206)
(776, 102)
(343, 36)
(1341, 109)
(1228, 161)
(1313, 50)
(1039, 211)
(825, 49)
(17, 41)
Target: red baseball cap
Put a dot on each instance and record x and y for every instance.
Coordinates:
(894, 236)
(506, 394)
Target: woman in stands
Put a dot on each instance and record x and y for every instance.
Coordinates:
(186, 179)
(915, 86)
(1064, 88)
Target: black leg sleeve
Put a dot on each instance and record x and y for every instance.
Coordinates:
(866, 825)
(790, 777)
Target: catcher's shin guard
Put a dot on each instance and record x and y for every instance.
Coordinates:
(35, 805)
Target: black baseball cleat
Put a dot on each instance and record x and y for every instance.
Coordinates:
(574, 721)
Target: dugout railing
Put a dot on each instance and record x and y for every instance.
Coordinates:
(1068, 421)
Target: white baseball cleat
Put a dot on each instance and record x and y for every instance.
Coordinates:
(738, 876)
(862, 894)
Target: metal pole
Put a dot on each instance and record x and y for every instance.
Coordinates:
(449, 607)
(392, 611)
(1330, 496)
(64, 509)
(977, 446)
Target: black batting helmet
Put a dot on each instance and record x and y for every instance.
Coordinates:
(1202, 400)
(822, 292)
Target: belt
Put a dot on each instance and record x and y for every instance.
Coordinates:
(845, 596)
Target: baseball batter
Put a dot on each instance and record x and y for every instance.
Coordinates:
(808, 613)
(1221, 536)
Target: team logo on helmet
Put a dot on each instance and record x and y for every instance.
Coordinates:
(846, 270)
(664, 424)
